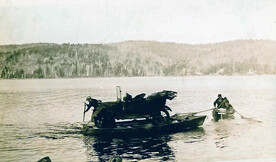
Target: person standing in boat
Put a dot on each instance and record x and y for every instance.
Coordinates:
(218, 101)
(92, 103)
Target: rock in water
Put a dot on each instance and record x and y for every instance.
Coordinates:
(45, 159)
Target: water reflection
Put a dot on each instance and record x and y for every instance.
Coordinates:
(133, 148)
(191, 136)
(130, 148)
(222, 131)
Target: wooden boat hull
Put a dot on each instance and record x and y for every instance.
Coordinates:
(143, 127)
(219, 114)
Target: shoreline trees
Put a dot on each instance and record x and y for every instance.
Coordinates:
(140, 58)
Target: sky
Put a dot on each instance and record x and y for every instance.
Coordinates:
(107, 21)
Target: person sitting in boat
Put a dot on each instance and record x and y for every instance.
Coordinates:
(229, 108)
(218, 101)
(127, 98)
(222, 104)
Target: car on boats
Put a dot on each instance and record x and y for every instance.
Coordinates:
(137, 115)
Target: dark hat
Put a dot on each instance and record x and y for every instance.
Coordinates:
(219, 95)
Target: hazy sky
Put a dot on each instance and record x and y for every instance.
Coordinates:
(104, 21)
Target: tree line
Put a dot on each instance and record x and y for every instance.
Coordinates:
(43, 60)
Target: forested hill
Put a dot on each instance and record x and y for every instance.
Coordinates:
(137, 58)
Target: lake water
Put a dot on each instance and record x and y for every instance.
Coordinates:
(41, 118)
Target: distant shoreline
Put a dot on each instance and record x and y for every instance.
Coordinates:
(186, 76)
(137, 58)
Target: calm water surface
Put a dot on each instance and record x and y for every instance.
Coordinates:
(43, 118)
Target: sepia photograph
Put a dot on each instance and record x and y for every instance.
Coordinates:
(137, 80)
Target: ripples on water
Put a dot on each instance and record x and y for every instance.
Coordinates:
(43, 118)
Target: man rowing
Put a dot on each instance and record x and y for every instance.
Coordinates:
(218, 101)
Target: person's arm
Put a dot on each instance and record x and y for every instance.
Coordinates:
(222, 104)
(216, 102)
(88, 107)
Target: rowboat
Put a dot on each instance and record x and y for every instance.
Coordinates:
(177, 123)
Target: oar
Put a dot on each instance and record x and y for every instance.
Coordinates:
(83, 112)
(247, 118)
(193, 113)
(202, 111)
(239, 114)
